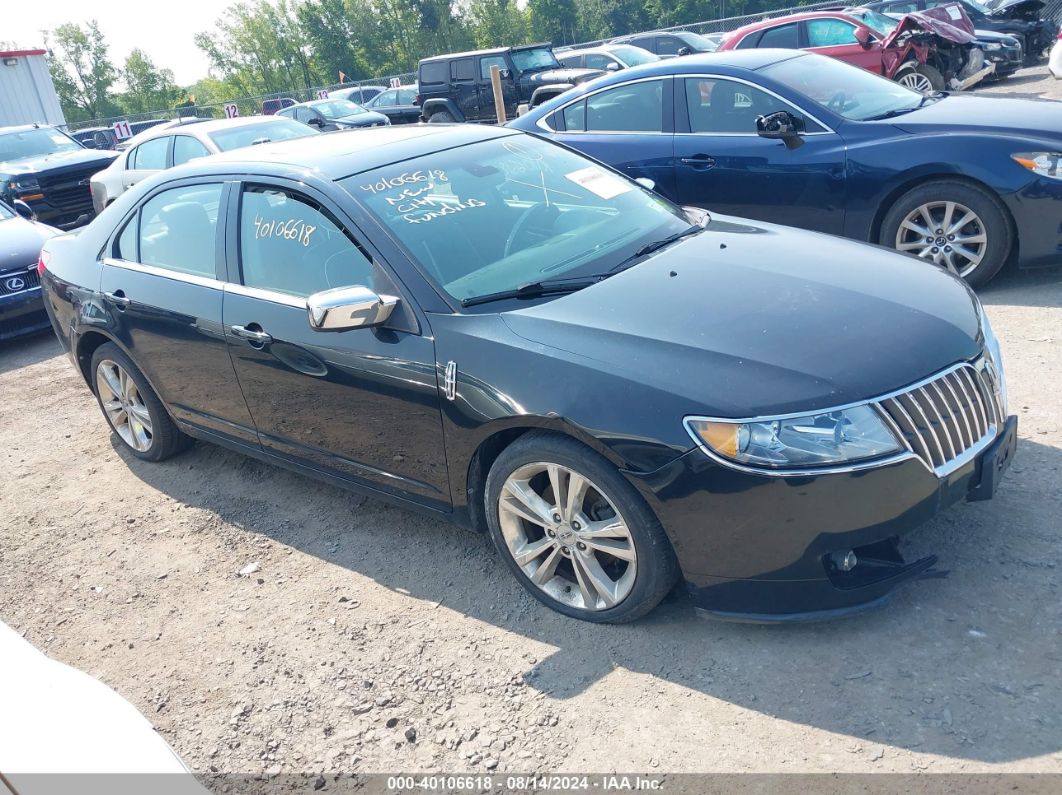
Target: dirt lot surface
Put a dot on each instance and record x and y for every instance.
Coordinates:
(370, 639)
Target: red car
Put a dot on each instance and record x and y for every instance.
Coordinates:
(900, 55)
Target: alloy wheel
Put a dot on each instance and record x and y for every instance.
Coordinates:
(916, 81)
(123, 405)
(567, 536)
(945, 232)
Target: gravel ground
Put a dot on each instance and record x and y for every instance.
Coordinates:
(368, 639)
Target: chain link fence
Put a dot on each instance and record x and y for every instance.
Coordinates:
(252, 105)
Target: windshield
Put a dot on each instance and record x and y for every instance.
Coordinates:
(537, 58)
(35, 143)
(247, 135)
(696, 41)
(499, 214)
(874, 20)
(633, 56)
(338, 108)
(846, 90)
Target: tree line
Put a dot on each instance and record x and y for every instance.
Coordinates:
(271, 46)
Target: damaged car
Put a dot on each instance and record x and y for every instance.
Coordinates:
(1023, 19)
(926, 53)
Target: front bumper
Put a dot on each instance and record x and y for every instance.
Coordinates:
(762, 548)
(22, 313)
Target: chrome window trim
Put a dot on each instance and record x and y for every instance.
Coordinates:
(165, 273)
(272, 296)
(990, 435)
(541, 123)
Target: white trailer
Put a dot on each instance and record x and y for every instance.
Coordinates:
(27, 94)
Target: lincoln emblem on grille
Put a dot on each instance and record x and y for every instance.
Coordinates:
(15, 283)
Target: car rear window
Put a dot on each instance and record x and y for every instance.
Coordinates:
(784, 36)
(246, 135)
(435, 72)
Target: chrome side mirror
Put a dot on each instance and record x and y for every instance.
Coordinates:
(348, 307)
(24, 210)
(646, 183)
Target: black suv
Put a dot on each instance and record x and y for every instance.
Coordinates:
(50, 171)
(457, 87)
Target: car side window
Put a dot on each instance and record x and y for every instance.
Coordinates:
(178, 229)
(407, 96)
(830, 33)
(186, 148)
(598, 61)
(303, 114)
(491, 60)
(125, 244)
(668, 45)
(749, 42)
(726, 107)
(289, 244)
(570, 61)
(784, 36)
(632, 107)
(575, 116)
(384, 99)
(152, 154)
(463, 71)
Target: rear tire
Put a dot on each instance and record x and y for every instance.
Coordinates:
(441, 117)
(987, 235)
(596, 552)
(131, 407)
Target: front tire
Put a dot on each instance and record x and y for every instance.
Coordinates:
(133, 410)
(922, 78)
(951, 223)
(441, 117)
(575, 533)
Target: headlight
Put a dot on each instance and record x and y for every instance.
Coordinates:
(24, 184)
(994, 354)
(834, 437)
(1043, 163)
(991, 46)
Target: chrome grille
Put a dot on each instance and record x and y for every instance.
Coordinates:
(19, 281)
(949, 418)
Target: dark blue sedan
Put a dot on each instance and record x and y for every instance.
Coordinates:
(800, 139)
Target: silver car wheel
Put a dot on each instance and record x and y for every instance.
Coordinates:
(916, 81)
(945, 232)
(123, 405)
(567, 536)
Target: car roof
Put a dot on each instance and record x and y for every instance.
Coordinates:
(199, 128)
(493, 51)
(24, 127)
(770, 23)
(339, 154)
(732, 62)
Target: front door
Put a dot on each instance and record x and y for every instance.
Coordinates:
(721, 163)
(163, 295)
(486, 88)
(360, 404)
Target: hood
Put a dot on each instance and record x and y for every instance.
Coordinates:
(21, 241)
(737, 324)
(572, 76)
(58, 161)
(948, 22)
(1011, 117)
(364, 119)
(1020, 9)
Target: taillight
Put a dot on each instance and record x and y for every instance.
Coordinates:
(417, 99)
(42, 262)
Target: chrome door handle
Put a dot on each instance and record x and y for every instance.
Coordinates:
(252, 336)
(117, 298)
(698, 160)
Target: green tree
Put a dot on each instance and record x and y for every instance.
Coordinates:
(553, 20)
(147, 87)
(82, 71)
(497, 23)
(338, 44)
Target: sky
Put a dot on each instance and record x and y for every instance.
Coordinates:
(164, 29)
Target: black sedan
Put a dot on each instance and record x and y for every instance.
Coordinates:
(488, 327)
(397, 104)
(334, 114)
(21, 238)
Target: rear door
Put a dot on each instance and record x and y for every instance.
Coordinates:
(147, 159)
(835, 37)
(629, 126)
(722, 164)
(163, 295)
(360, 404)
(463, 89)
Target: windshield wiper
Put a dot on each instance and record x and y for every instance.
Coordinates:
(656, 245)
(537, 289)
(889, 114)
